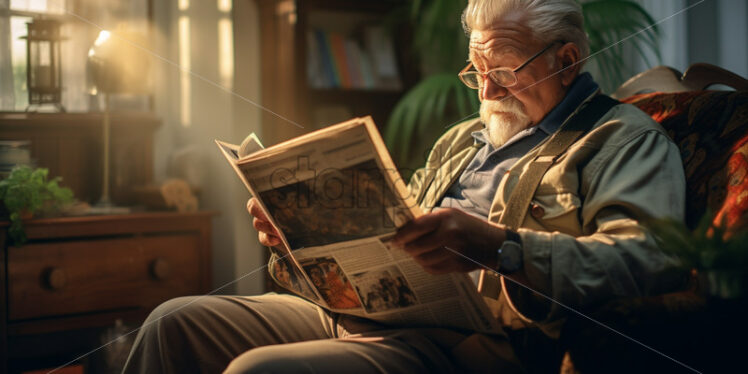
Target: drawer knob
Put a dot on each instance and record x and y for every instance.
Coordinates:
(55, 278)
(160, 269)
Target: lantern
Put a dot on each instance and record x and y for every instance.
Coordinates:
(43, 63)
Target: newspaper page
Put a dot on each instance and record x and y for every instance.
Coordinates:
(337, 200)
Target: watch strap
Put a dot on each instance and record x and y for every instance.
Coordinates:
(513, 236)
(510, 256)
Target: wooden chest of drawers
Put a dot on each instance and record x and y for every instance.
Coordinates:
(85, 272)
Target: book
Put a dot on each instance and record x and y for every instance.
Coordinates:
(337, 200)
(367, 74)
(353, 64)
(337, 45)
(316, 75)
(332, 76)
(381, 49)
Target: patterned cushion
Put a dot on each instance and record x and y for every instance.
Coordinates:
(711, 130)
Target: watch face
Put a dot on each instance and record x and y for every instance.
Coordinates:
(510, 256)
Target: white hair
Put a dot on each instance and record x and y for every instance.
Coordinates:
(549, 20)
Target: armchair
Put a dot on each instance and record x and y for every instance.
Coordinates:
(711, 129)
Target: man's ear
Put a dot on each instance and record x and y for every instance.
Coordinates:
(569, 57)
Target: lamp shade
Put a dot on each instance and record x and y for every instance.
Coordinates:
(118, 63)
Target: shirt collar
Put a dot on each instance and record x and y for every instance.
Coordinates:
(582, 87)
(481, 137)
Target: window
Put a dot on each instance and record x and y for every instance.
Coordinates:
(13, 20)
(39, 6)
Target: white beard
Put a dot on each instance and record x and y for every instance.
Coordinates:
(503, 118)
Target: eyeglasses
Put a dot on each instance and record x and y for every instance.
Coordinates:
(504, 77)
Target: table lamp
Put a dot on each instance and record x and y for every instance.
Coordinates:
(117, 64)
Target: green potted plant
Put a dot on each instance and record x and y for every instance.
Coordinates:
(439, 43)
(717, 257)
(26, 192)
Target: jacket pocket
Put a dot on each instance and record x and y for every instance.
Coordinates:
(557, 211)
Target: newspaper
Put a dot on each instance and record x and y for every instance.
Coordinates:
(337, 200)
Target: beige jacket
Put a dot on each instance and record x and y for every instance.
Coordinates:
(583, 240)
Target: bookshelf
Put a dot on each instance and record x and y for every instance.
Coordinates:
(327, 61)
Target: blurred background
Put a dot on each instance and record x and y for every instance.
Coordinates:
(165, 78)
(209, 64)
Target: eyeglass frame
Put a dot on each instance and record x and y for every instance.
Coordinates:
(513, 71)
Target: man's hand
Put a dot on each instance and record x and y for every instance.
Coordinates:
(268, 235)
(434, 238)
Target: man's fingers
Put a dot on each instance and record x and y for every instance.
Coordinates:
(449, 265)
(268, 235)
(433, 257)
(424, 244)
(255, 209)
(250, 202)
(443, 267)
(417, 228)
(269, 240)
(264, 226)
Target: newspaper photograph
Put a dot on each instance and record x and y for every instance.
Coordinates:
(339, 205)
(384, 289)
(287, 275)
(331, 283)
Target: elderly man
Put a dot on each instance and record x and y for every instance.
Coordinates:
(582, 242)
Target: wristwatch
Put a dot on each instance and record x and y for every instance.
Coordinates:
(510, 253)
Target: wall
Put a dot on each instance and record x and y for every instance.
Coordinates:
(691, 31)
(712, 31)
(198, 100)
(250, 257)
(719, 34)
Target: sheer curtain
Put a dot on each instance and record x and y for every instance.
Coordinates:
(218, 41)
(714, 32)
(74, 51)
(7, 96)
(673, 43)
(733, 30)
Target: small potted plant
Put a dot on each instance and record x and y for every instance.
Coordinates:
(717, 257)
(26, 192)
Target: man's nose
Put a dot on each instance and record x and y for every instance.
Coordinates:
(491, 90)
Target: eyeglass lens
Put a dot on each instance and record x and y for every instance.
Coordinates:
(474, 79)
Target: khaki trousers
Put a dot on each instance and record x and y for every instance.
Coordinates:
(286, 334)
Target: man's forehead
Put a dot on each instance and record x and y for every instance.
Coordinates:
(494, 50)
(510, 34)
(494, 45)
